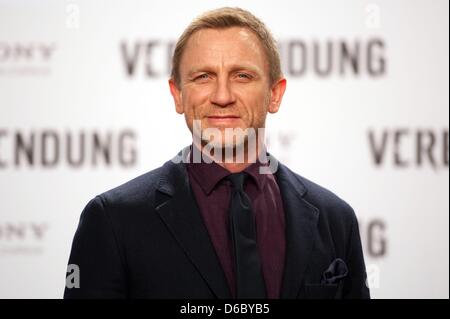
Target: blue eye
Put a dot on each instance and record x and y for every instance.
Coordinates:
(203, 76)
(244, 76)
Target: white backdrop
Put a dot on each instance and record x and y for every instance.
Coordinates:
(85, 106)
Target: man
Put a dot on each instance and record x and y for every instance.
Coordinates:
(223, 218)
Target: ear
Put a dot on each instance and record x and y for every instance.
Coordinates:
(177, 97)
(276, 95)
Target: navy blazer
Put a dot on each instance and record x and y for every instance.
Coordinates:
(146, 239)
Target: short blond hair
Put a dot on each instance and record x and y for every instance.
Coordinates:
(223, 18)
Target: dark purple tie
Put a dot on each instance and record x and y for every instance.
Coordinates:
(249, 277)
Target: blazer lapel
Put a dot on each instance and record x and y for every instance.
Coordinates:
(301, 231)
(178, 209)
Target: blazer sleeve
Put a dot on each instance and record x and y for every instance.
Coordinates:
(355, 286)
(95, 252)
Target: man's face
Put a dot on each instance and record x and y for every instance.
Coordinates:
(224, 81)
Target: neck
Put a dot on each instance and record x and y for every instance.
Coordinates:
(235, 167)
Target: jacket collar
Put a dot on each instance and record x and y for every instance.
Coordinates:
(301, 231)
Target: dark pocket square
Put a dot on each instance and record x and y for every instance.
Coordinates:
(335, 272)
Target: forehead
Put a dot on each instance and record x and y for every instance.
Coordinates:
(223, 47)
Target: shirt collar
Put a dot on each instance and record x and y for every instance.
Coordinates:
(208, 175)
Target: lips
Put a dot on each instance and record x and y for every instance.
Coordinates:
(223, 117)
(223, 120)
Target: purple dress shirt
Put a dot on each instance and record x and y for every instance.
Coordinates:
(212, 193)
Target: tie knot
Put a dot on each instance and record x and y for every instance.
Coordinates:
(237, 180)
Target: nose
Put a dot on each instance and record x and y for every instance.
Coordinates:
(222, 95)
